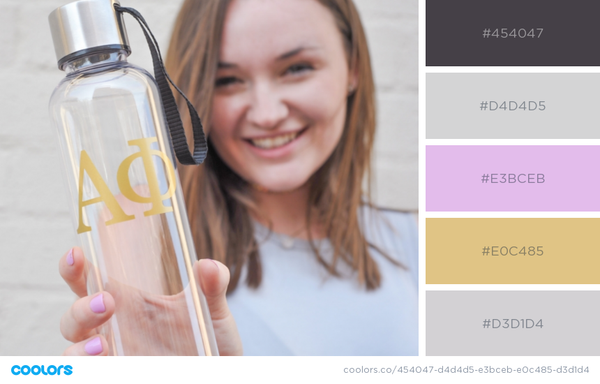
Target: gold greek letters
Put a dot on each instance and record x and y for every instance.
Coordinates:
(155, 197)
(118, 215)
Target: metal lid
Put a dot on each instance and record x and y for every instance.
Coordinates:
(87, 26)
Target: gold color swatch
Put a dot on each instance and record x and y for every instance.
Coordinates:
(519, 251)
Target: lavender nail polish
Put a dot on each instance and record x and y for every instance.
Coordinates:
(70, 259)
(97, 304)
(94, 346)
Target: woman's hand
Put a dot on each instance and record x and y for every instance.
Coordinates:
(79, 323)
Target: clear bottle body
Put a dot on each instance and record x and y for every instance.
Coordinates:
(128, 209)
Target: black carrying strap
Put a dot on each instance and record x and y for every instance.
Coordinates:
(170, 106)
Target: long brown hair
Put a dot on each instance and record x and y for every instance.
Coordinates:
(219, 205)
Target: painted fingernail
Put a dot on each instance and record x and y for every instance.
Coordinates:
(94, 346)
(70, 260)
(97, 304)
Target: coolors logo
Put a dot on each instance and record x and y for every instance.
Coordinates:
(41, 370)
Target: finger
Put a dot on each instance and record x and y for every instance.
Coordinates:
(93, 346)
(72, 269)
(86, 314)
(214, 278)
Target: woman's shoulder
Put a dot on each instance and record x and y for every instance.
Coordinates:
(386, 221)
(393, 232)
(395, 217)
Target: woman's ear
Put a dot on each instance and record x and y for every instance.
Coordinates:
(352, 80)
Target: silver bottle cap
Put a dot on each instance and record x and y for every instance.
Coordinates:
(86, 26)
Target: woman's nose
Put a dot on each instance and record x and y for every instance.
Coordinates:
(267, 109)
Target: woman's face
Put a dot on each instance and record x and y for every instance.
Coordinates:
(281, 91)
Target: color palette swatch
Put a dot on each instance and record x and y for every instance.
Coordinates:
(513, 178)
(512, 33)
(515, 323)
(513, 251)
(513, 106)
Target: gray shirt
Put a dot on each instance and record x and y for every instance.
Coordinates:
(301, 309)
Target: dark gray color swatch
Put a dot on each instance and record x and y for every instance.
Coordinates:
(455, 32)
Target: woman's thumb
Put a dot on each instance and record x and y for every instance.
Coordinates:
(214, 278)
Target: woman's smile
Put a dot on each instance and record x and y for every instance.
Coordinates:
(275, 140)
(277, 146)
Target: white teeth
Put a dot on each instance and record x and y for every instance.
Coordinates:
(274, 142)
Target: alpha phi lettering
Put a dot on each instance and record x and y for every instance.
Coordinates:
(156, 199)
(118, 215)
(105, 196)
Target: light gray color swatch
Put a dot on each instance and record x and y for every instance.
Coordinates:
(570, 323)
(454, 106)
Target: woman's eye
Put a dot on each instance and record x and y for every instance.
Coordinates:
(225, 81)
(299, 68)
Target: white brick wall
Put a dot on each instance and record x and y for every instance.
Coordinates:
(35, 227)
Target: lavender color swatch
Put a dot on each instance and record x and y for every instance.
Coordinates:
(569, 181)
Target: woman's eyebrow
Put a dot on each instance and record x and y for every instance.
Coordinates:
(226, 65)
(293, 52)
(287, 55)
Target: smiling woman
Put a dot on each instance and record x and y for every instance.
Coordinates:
(263, 71)
(286, 93)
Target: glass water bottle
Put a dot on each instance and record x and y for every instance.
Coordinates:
(126, 200)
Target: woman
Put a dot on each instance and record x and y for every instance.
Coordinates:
(286, 92)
